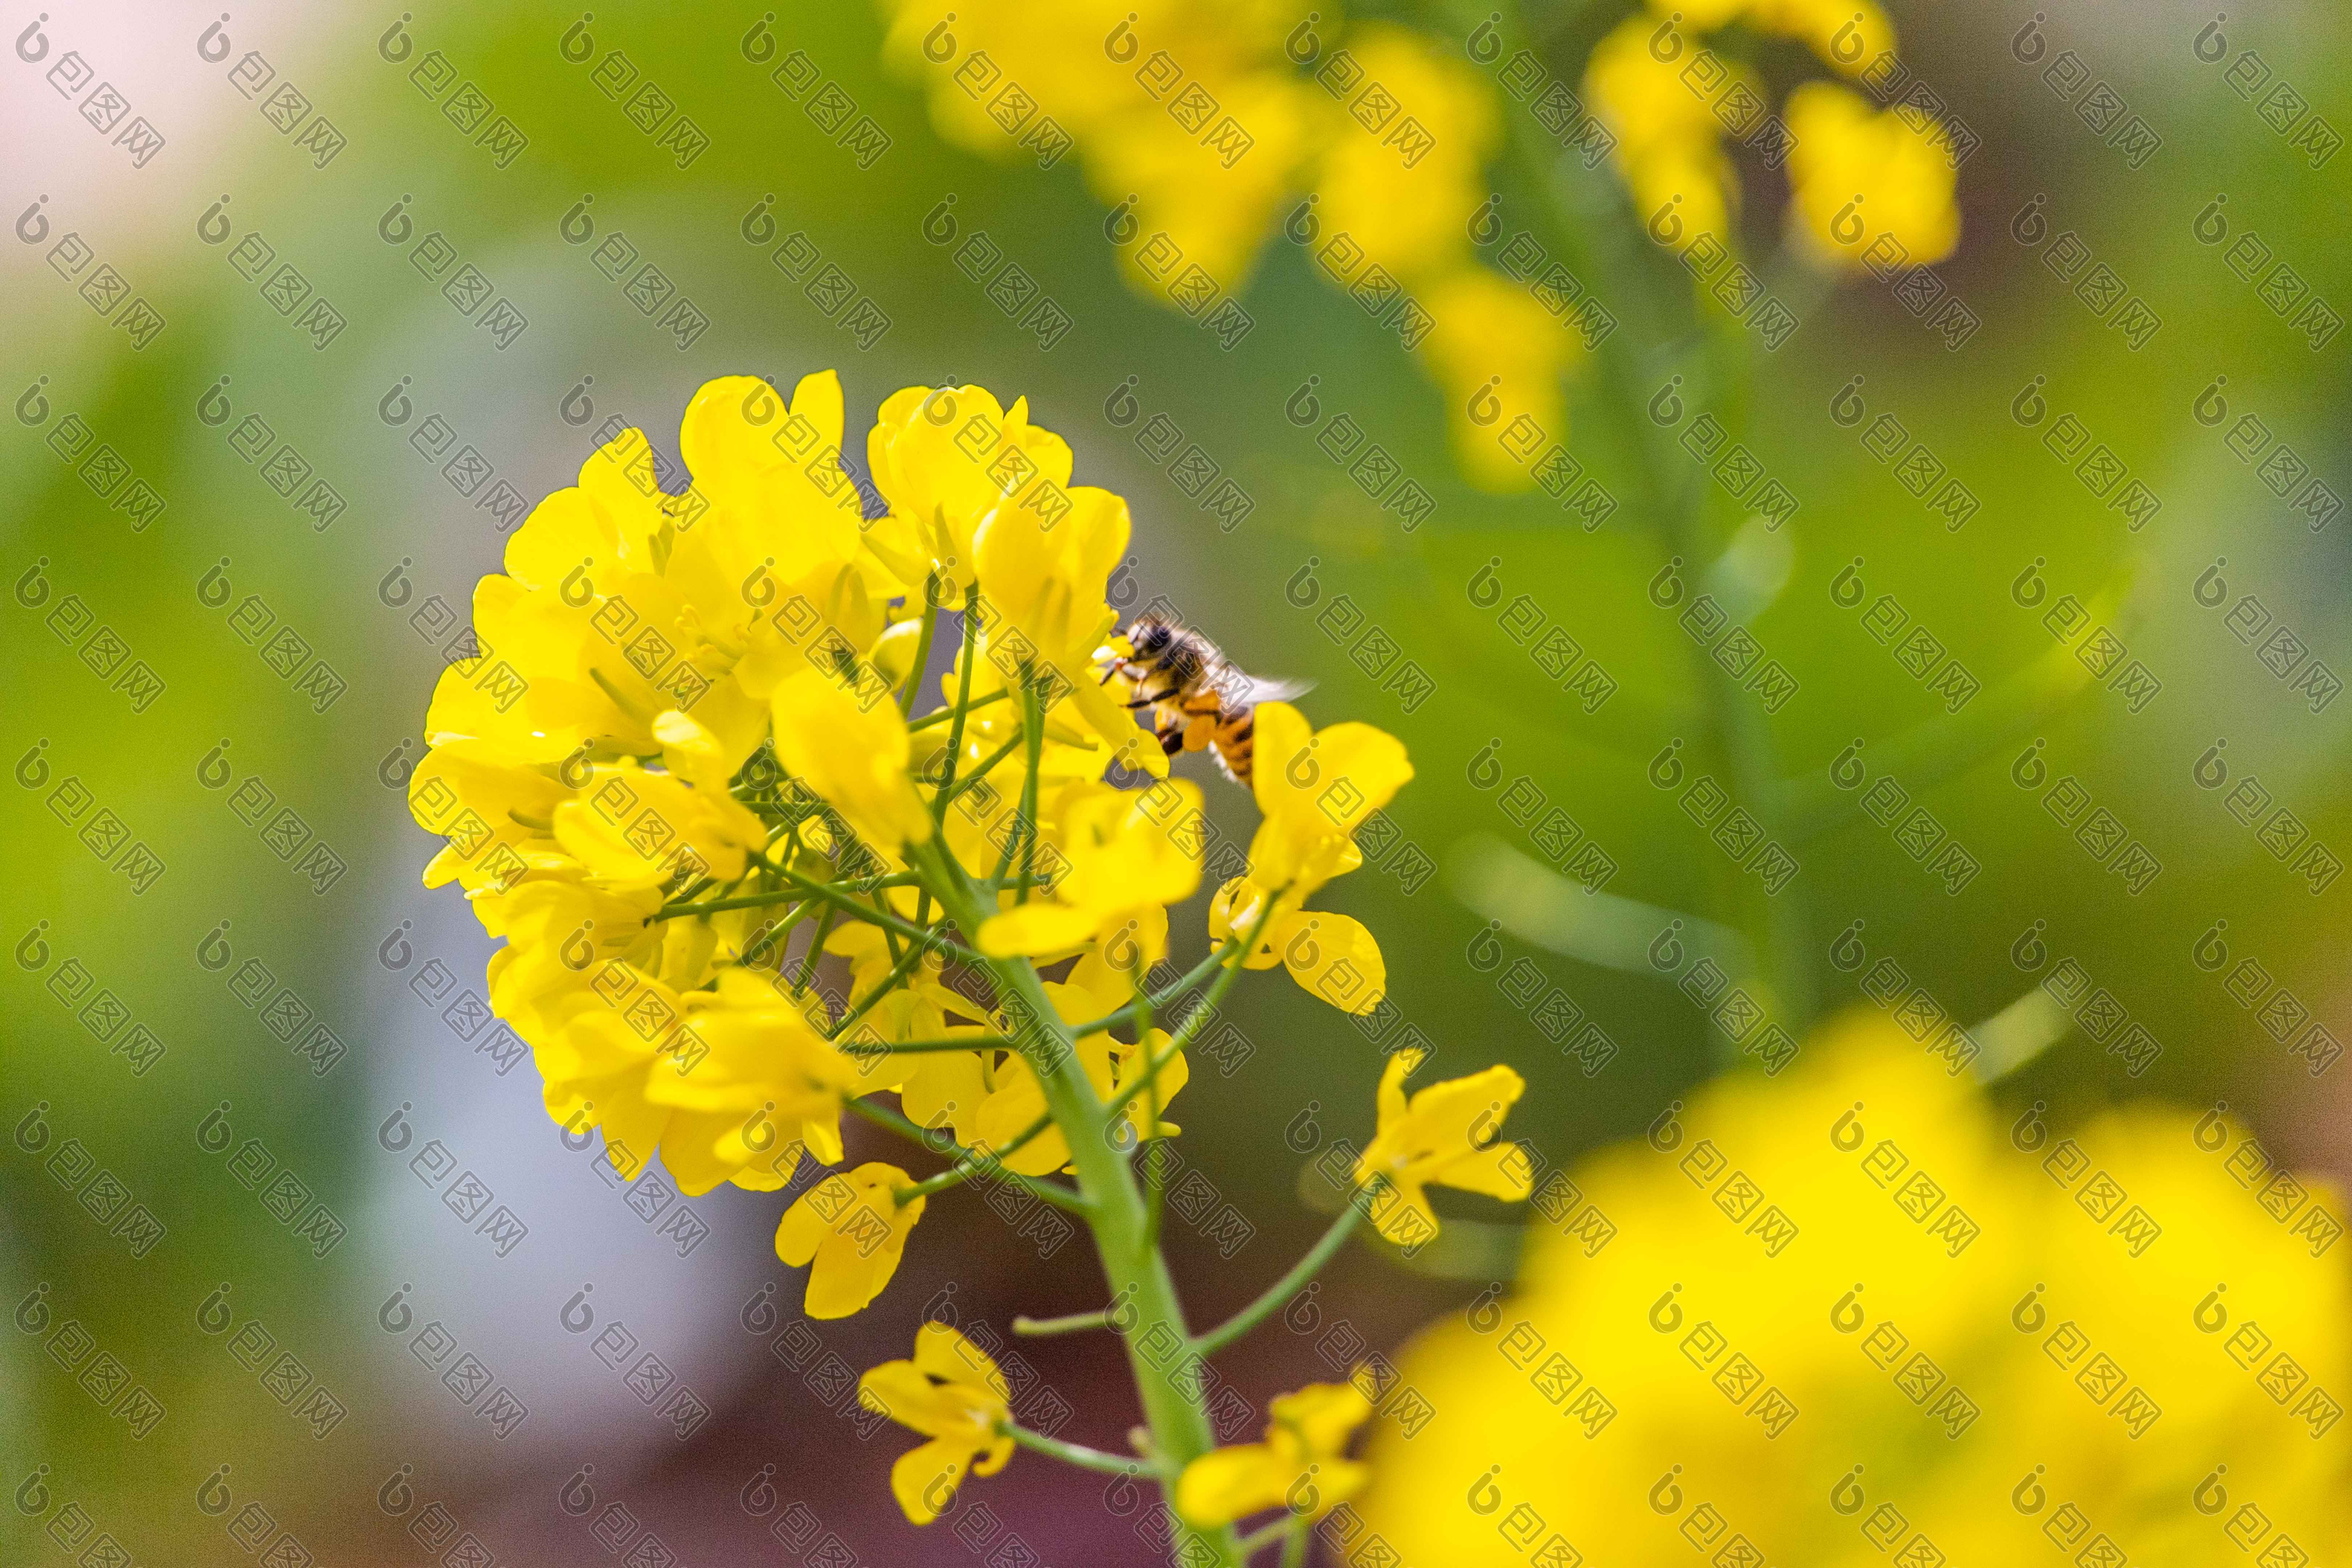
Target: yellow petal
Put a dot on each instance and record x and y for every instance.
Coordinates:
(924, 1480)
(1036, 928)
(945, 1353)
(1227, 1484)
(1336, 958)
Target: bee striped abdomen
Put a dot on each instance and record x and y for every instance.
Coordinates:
(1236, 744)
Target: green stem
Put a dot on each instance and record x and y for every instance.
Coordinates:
(963, 704)
(922, 649)
(1076, 1454)
(1672, 490)
(1134, 1270)
(1277, 1296)
(1073, 1323)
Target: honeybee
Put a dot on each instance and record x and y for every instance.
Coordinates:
(1199, 698)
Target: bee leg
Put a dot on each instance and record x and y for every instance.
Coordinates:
(1171, 741)
(1141, 702)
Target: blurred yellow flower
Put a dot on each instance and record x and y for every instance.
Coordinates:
(1868, 186)
(1446, 1135)
(1403, 185)
(1500, 355)
(1846, 34)
(952, 1394)
(1852, 1316)
(852, 1230)
(1669, 145)
(1300, 1465)
(1198, 119)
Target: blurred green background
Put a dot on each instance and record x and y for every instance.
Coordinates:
(218, 1126)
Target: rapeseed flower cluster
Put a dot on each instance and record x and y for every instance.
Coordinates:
(686, 764)
(1858, 1315)
(1206, 123)
(1864, 183)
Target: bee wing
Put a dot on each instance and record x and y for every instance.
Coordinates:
(1260, 690)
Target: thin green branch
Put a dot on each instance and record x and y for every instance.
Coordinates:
(922, 648)
(1155, 1169)
(1143, 1006)
(982, 1161)
(815, 949)
(942, 715)
(1266, 1535)
(1194, 1021)
(925, 1048)
(987, 766)
(1033, 729)
(1054, 1192)
(759, 900)
(883, 987)
(1073, 1323)
(1076, 1454)
(1277, 1296)
(935, 938)
(963, 703)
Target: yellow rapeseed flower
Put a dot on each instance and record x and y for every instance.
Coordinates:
(1500, 355)
(1300, 1466)
(1333, 955)
(1859, 1314)
(1128, 857)
(1863, 179)
(1447, 1135)
(850, 1231)
(851, 747)
(953, 1394)
(764, 1090)
(1315, 788)
(945, 458)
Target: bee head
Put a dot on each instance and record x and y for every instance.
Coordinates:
(1149, 636)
